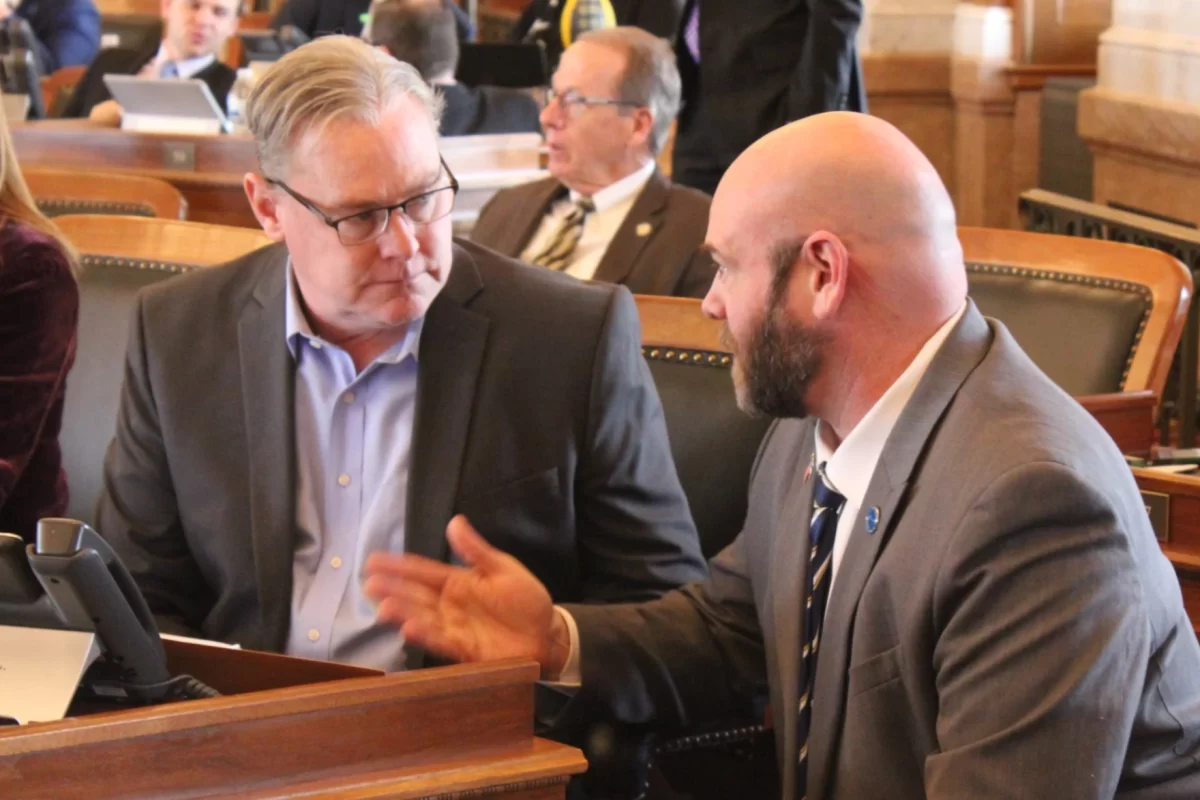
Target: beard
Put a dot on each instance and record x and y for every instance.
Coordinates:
(771, 375)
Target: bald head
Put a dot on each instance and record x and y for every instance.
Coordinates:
(860, 179)
(838, 246)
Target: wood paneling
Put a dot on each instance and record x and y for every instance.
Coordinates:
(1128, 417)
(434, 732)
(211, 182)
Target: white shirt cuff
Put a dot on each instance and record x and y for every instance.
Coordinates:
(570, 674)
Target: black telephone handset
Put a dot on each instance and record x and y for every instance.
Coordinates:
(91, 590)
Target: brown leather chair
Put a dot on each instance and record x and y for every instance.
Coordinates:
(63, 191)
(121, 255)
(713, 442)
(1098, 317)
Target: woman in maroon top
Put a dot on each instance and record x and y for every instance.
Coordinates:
(39, 313)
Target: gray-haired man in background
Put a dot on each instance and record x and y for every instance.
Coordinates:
(607, 213)
(352, 388)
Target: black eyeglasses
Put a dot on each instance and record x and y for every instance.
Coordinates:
(366, 226)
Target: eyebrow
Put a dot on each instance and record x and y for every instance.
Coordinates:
(358, 207)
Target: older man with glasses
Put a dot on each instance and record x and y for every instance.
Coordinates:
(352, 388)
(607, 213)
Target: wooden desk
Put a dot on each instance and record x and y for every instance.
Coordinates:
(1127, 416)
(1180, 536)
(207, 169)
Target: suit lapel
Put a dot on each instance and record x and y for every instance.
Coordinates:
(452, 347)
(453, 342)
(267, 387)
(962, 351)
(641, 224)
(521, 225)
(789, 573)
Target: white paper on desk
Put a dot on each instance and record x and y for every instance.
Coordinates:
(189, 640)
(1172, 469)
(40, 670)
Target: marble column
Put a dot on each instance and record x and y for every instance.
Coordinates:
(984, 192)
(1142, 120)
(906, 48)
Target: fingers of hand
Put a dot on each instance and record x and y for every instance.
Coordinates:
(472, 548)
(416, 569)
(399, 600)
(425, 631)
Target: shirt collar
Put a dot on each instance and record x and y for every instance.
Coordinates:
(623, 189)
(850, 466)
(297, 330)
(186, 67)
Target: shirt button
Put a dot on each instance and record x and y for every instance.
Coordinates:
(335, 562)
(313, 635)
(316, 343)
(348, 398)
(343, 479)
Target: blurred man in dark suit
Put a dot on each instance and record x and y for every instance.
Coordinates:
(422, 34)
(607, 213)
(194, 31)
(66, 32)
(349, 17)
(750, 67)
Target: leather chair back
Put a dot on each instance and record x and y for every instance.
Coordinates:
(62, 191)
(108, 287)
(1097, 317)
(714, 444)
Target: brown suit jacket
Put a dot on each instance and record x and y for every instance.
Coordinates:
(1006, 626)
(656, 250)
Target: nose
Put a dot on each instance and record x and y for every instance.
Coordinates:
(550, 113)
(713, 304)
(399, 238)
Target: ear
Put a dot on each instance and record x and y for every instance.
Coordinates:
(383, 48)
(264, 204)
(166, 5)
(829, 264)
(643, 125)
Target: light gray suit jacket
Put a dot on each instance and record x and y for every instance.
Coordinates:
(536, 416)
(1011, 629)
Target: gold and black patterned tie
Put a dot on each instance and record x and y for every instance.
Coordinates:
(557, 254)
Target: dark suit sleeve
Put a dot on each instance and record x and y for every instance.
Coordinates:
(137, 512)
(1043, 639)
(635, 533)
(91, 89)
(68, 34)
(821, 81)
(300, 14)
(693, 656)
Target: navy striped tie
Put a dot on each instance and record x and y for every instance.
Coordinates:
(827, 505)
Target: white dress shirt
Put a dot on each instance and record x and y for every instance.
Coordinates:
(184, 68)
(849, 466)
(613, 203)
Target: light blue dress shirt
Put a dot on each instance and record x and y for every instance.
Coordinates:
(353, 456)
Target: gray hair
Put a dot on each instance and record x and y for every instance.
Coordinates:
(651, 76)
(331, 78)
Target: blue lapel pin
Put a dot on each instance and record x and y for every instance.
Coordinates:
(872, 519)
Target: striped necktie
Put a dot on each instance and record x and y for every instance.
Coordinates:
(827, 505)
(557, 254)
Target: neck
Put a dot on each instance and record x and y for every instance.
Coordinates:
(363, 348)
(615, 173)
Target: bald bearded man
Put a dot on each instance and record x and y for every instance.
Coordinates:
(946, 575)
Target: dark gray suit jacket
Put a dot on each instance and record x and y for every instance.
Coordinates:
(655, 251)
(536, 416)
(1011, 629)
